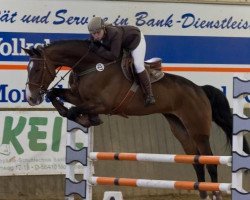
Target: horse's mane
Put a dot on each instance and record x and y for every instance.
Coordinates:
(77, 44)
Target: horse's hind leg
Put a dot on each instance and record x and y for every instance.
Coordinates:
(205, 149)
(199, 130)
(189, 147)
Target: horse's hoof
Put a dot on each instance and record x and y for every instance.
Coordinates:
(204, 195)
(217, 196)
(95, 120)
(83, 121)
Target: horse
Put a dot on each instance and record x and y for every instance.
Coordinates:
(189, 108)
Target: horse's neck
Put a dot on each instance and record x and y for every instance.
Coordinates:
(67, 55)
(79, 59)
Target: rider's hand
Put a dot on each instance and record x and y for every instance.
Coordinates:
(94, 45)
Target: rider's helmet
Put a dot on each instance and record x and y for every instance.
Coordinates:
(96, 24)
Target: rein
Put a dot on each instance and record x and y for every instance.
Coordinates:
(93, 69)
(85, 72)
(62, 78)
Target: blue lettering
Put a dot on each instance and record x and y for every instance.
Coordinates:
(224, 90)
(247, 99)
(61, 18)
(7, 16)
(3, 93)
(140, 18)
(24, 96)
(188, 20)
(14, 96)
(36, 18)
(152, 22)
(120, 21)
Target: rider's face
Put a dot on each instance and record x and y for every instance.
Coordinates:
(98, 35)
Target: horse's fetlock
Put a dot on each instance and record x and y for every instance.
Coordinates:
(72, 113)
(63, 113)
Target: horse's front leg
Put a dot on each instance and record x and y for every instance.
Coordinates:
(73, 113)
(63, 111)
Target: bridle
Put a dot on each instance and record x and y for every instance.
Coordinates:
(41, 86)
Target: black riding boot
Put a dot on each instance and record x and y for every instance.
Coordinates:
(146, 86)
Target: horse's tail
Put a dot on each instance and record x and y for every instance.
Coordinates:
(221, 113)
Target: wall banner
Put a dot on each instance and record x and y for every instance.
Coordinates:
(33, 143)
(206, 43)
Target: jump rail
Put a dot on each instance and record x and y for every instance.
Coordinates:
(167, 158)
(178, 185)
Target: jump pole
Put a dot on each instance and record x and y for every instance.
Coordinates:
(167, 158)
(176, 185)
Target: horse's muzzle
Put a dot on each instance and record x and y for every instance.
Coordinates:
(35, 101)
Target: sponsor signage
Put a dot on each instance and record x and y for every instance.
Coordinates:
(33, 143)
(198, 41)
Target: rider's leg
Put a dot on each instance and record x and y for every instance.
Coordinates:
(138, 55)
(146, 85)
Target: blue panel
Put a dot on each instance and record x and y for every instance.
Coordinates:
(72, 187)
(198, 49)
(172, 49)
(236, 195)
(73, 155)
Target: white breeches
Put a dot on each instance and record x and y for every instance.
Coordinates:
(138, 55)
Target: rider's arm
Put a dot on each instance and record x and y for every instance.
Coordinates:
(114, 53)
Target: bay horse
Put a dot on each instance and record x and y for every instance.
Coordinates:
(189, 108)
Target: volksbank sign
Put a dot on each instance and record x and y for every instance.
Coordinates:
(13, 47)
(11, 43)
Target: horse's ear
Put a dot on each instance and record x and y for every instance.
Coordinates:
(37, 51)
(33, 51)
(28, 51)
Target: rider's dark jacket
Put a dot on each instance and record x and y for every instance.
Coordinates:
(116, 39)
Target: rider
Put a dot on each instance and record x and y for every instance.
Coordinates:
(112, 40)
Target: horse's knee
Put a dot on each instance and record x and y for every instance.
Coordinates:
(51, 95)
(72, 113)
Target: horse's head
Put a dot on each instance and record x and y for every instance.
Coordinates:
(39, 76)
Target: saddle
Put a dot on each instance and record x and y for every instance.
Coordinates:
(153, 66)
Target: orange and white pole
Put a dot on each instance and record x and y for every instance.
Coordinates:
(179, 185)
(168, 158)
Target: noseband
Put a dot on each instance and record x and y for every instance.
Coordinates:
(42, 87)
